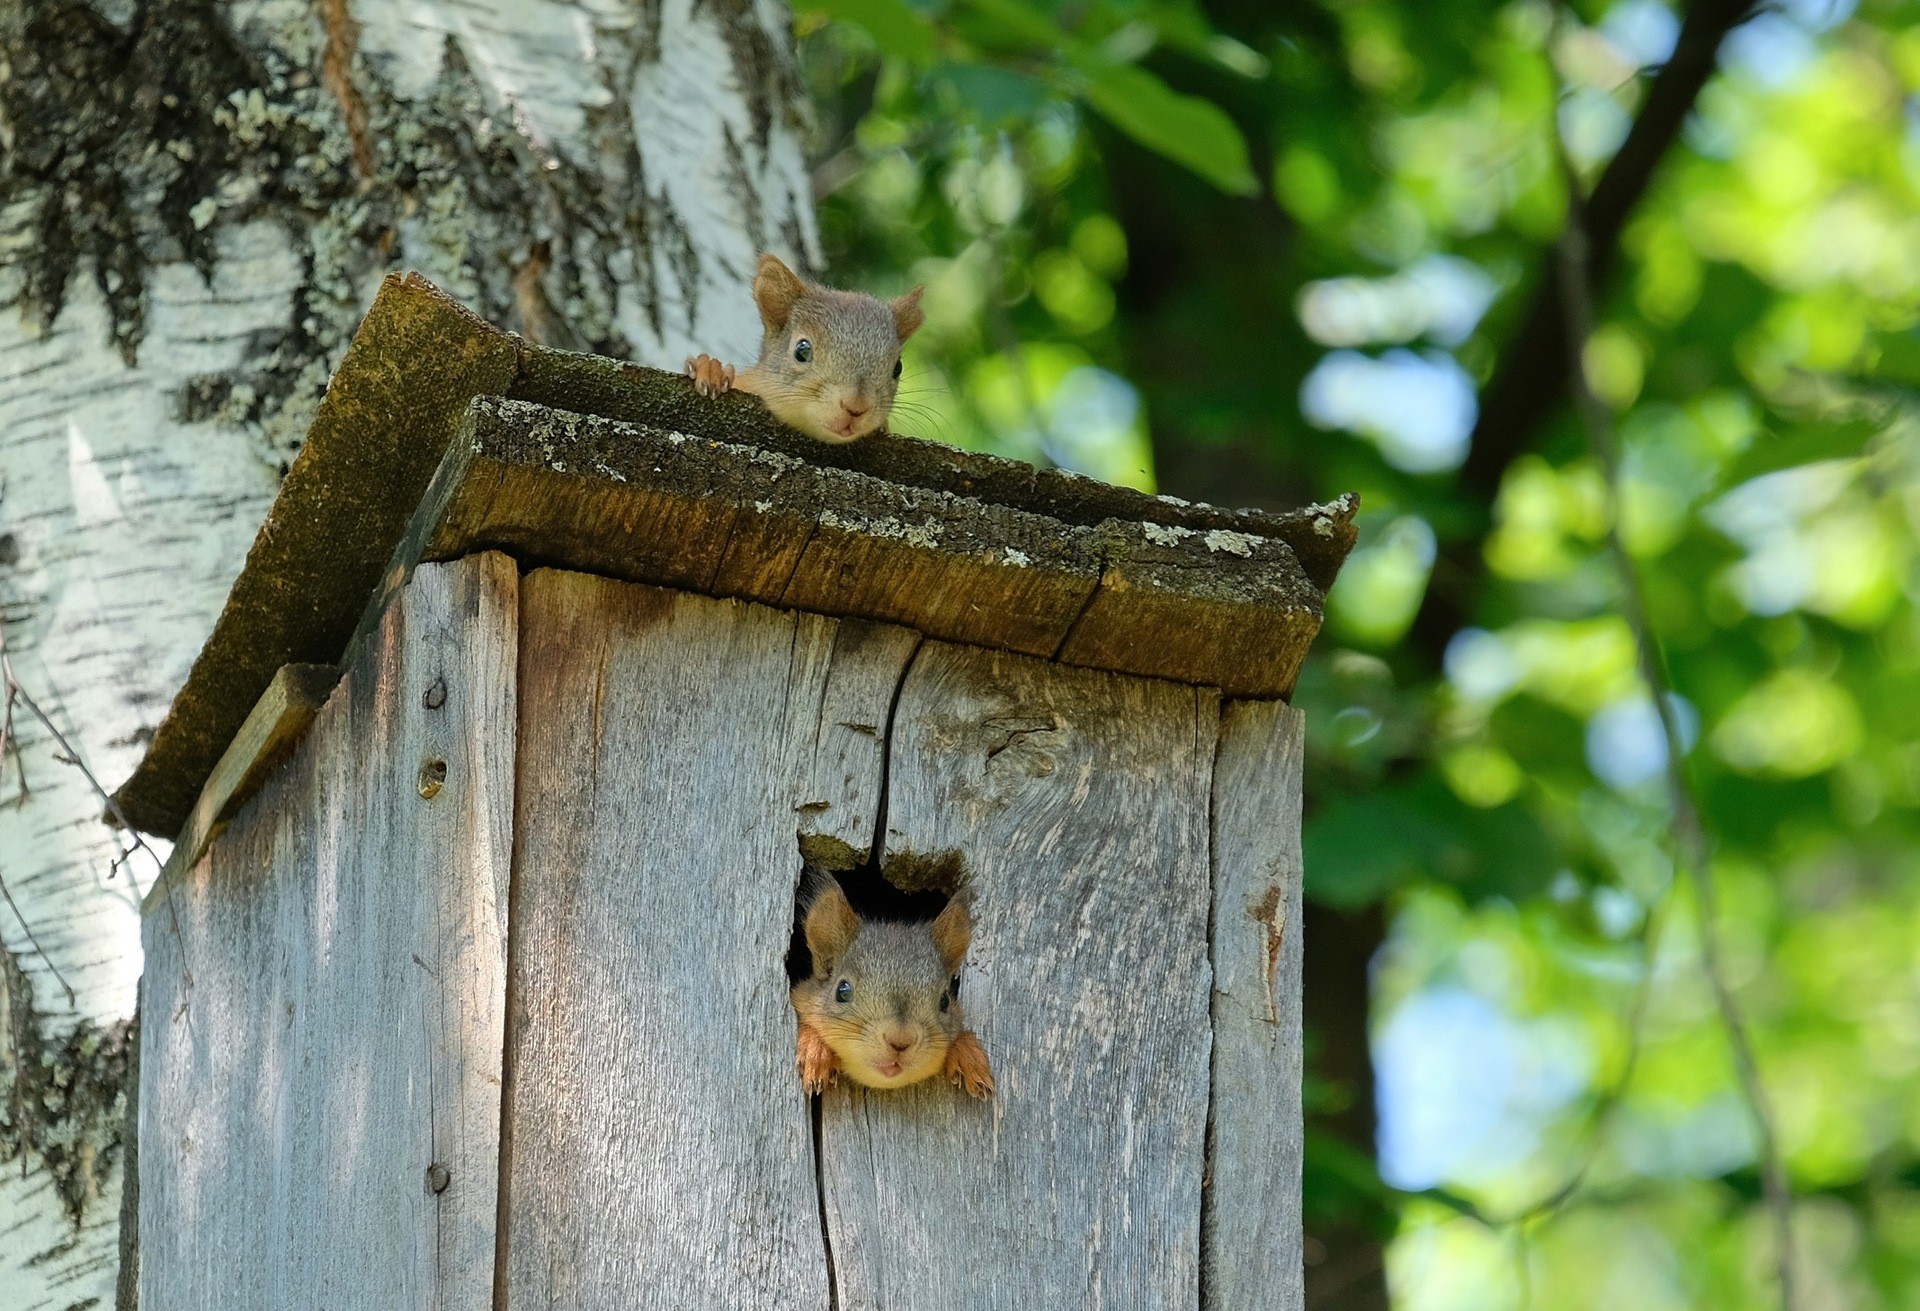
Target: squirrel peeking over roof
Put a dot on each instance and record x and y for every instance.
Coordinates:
(829, 360)
(882, 1005)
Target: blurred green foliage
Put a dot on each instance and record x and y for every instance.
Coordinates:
(1287, 242)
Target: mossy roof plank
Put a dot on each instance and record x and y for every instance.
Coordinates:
(390, 409)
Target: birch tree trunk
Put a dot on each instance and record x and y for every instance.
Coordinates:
(197, 201)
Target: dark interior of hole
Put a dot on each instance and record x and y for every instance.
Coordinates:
(913, 888)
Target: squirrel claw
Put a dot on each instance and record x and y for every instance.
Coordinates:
(816, 1062)
(710, 376)
(967, 1066)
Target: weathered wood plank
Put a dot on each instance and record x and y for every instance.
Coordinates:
(324, 1004)
(659, 1152)
(1252, 1238)
(1216, 607)
(660, 507)
(951, 567)
(1078, 801)
(278, 720)
(1320, 535)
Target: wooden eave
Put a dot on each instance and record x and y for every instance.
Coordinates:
(441, 435)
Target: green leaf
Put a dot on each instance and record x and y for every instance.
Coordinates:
(893, 24)
(993, 95)
(1184, 25)
(1186, 129)
(1803, 444)
(1002, 24)
(1362, 846)
(1899, 360)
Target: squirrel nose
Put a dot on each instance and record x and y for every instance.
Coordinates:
(899, 1039)
(855, 409)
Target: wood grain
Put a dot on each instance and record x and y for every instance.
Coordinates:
(659, 1149)
(324, 1002)
(1079, 803)
(842, 775)
(1251, 1239)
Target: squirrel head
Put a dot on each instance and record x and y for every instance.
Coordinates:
(829, 360)
(884, 995)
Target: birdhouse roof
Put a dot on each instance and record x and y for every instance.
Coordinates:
(441, 435)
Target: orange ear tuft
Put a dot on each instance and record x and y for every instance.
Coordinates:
(831, 926)
(907, 314)
(952, 933)
(775, 288)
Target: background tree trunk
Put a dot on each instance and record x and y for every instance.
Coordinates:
(197, 200)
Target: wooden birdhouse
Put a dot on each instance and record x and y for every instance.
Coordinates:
(466, 984)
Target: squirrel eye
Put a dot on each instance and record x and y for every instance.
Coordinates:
(844, 993)
(896, 370)
(803, 350)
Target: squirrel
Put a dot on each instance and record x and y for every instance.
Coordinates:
(882, 1005)
(829, 360)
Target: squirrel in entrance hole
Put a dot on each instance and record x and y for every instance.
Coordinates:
(882, 1005)
(829, 360)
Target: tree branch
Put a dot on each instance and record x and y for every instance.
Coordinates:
(1692, 851)
(1530, 380)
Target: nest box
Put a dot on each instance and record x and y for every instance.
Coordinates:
(544, 680)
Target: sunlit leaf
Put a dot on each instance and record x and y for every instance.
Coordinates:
(1899, 360)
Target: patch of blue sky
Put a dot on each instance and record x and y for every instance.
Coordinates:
(1464, 1088)
(1626, 744)
(1419, 409)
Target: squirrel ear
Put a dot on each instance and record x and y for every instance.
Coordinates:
(831, 925)
(907, 314)
(775, 288)
(952, 932)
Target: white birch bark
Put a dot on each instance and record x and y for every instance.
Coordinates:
(197, 200)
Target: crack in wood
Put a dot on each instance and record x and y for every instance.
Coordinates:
(1017, 729)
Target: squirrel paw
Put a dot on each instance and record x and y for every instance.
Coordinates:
(816, 1062)
(710, 376)
(967, 1066)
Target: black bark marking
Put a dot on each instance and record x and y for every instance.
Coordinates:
(114, 139)
(766, 71)
(65, 1099)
